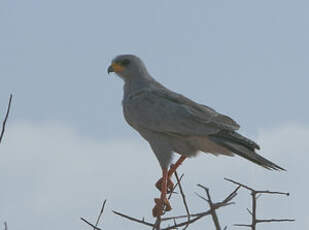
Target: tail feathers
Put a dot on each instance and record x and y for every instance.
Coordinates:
(245, 152)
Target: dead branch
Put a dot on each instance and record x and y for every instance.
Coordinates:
(201, 214)
(100, 214)
(191, 218)
(212, 210)
(256, 191)
(254, 196)
(134, 219)
(274, 220)
(95, 227)
(184, 200)
(87, 222)
(198, 216)
(6, 118)
(175, 186)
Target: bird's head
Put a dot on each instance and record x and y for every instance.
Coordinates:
(127, 66)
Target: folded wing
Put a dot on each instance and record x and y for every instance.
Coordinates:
(168, 112)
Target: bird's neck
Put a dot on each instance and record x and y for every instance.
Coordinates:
(132, 86)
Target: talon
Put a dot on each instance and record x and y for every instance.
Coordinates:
(161, 206)
(170, 185)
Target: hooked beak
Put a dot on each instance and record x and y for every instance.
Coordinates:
(115, 67)
(110, 69)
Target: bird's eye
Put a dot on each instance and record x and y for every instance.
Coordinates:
(125, 62)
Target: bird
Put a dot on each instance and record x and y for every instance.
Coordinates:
(172, 123)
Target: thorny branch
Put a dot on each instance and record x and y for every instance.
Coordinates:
(254, 196)
(134, 219)
(6, 118)
(191, 218)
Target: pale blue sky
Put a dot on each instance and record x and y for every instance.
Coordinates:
(247, 59)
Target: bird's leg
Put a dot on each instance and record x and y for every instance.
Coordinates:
(162, 203)
(173, 168)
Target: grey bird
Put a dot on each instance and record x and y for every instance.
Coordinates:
(171, 122)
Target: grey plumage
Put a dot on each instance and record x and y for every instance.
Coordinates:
(170, 122)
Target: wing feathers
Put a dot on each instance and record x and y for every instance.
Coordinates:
(243, 150)
(168, 112)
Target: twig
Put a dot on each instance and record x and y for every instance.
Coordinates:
(101, 213)
(275, 220)
(198, 216)
(212, 209)
(134, 219)
(183, 199)
(6, 117)
(254, 196)
(6, 226)
(94, 227)
(256, 191)
(183, 224)
(206, 213)
(175, 186)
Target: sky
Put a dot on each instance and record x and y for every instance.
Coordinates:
(67, 146)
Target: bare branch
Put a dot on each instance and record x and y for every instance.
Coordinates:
(183, 199)
(218, 205)
(212, 209)
(94, 227)
(6, 117)
(243, 225)
(101, 213)
(203, 198)
(191, 218)
(256, 191)
(198, 216)
(184, 223)
(275, 220)
(175, 186)
(134, 219)
(206, 213)
(231, 196)
(255, 194)
(249, 211)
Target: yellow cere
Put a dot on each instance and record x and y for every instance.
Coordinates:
(117, 67)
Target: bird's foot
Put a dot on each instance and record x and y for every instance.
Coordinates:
(162, 205)
(170, 185)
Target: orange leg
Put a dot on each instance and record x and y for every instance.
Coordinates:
(162, 203)
(175, 166)
(170, 184)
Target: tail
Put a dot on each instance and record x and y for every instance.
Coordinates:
(243, 147)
